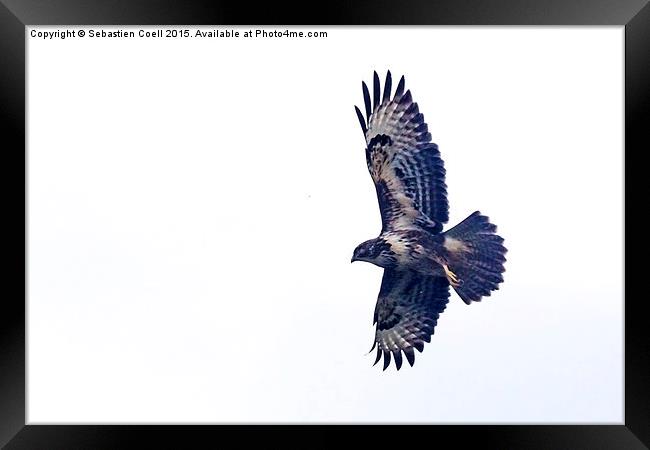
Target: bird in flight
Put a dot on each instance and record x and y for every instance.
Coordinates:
(420, 261)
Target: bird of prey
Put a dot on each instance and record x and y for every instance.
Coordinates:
(420, 261)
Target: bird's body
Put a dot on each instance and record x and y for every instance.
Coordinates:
(414, 249)
(419, 260)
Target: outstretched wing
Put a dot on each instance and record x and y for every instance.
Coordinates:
(406, 313)
(405, 165)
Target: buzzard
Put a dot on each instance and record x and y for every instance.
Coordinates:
(420, 261)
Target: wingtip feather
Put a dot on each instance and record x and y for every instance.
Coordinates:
(366, 99)
(406, 98)
(410, 355)
(397, 355)
(362, 121)
(400, 88)
(386, 359)
(378, 356)
(376, 91)
(388, 84)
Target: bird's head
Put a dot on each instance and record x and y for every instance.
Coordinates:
(375, 251)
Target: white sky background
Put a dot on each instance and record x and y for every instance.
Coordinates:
(194, 204)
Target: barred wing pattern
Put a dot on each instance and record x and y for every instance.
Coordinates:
(405, 165)
(406, 314)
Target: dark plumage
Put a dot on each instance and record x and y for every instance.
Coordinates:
(419, 260)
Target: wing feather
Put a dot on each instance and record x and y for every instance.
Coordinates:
(366, 99)
(387, 87)
(362, 121)
(376, 91)
(405, 165)
(400, 87)
(406, 313)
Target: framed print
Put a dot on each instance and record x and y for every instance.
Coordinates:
(195, 189)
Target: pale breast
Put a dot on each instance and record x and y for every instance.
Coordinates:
(415, 250)
(406, 246)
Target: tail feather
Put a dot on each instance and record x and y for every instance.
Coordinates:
(476, 256)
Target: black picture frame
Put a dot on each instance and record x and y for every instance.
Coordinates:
(15, 15)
